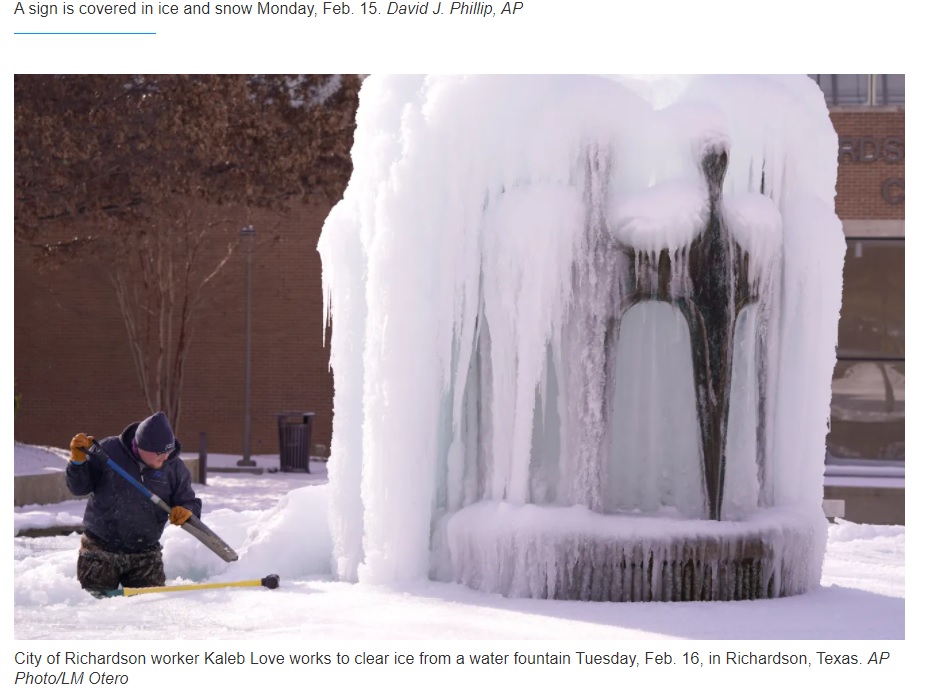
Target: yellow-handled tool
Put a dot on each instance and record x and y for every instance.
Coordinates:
(271, 581)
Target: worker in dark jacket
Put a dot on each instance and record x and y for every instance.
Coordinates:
(122, 528)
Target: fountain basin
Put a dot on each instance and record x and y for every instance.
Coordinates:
(571, 553)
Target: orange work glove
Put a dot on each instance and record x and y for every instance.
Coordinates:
(179, 515)
(78, 441)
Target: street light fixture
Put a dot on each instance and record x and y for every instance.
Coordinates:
(247, 233)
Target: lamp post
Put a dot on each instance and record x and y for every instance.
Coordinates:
(247, 233)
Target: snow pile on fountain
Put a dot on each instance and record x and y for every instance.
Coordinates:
(482, 275)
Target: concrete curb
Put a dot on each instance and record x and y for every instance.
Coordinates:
(49, 488)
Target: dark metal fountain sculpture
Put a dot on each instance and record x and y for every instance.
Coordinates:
(711, 301)
(710, 282)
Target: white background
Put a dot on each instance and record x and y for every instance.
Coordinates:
(566, 36)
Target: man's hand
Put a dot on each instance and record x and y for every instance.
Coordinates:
(179, 515)
(80, 441)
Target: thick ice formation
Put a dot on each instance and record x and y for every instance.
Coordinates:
(542, 289)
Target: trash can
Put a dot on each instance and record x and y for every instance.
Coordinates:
(295, 439)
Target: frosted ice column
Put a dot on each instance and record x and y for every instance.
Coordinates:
(584, 333)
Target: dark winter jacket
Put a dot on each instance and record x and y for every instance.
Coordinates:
(118, 515)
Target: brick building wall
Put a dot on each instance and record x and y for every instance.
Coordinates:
(869, 422)
(73, 366)
(871, 165)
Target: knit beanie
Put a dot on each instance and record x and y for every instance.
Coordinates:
(154, 434)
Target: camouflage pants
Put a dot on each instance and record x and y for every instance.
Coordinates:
(101, 570)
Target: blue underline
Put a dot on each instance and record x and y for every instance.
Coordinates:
(84, 33)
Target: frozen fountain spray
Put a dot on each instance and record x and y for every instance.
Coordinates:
(583, 335)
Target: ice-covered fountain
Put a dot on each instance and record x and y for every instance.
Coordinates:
(583, 335)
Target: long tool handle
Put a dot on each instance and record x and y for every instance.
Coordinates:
(181, 587)
(192, 526)
(135, 483)
(271, 581)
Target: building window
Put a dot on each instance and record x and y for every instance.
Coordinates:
(862, 89)
(844, 89)
(891, 89)
(873, 314)
(868, 411)
(868, 419)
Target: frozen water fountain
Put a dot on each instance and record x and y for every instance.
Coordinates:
(583, 335)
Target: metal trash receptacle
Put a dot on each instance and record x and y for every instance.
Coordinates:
(295, 439)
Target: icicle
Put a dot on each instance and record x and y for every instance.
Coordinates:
(478, 275)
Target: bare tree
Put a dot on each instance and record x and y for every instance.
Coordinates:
(136, 176)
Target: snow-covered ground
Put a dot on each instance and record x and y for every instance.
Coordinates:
(277, 522)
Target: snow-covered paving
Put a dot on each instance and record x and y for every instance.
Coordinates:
(278, 525)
